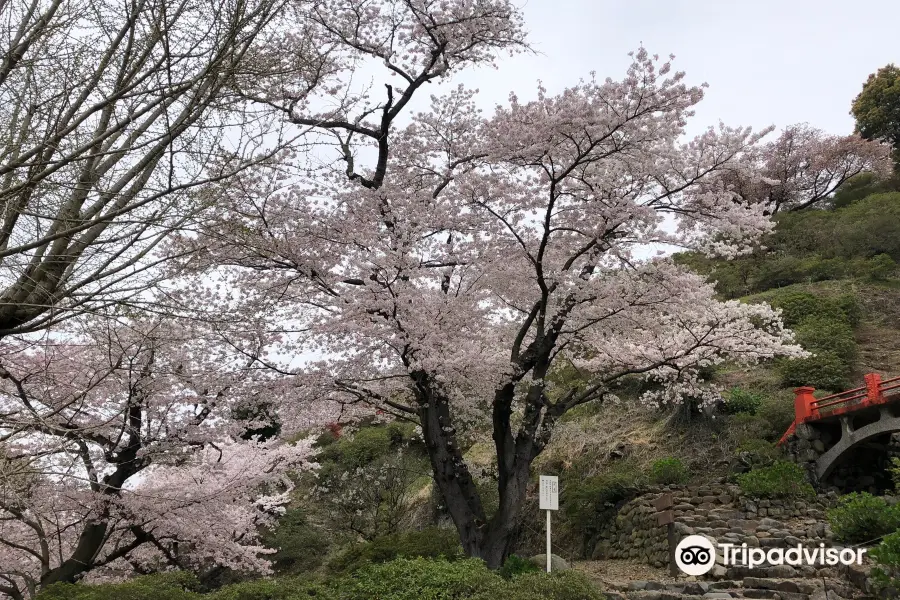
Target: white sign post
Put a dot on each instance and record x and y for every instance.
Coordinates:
(549, 501)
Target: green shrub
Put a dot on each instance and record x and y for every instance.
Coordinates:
(826, 334)
(358, 450)
(758, 452)
(739, 400)
(881, 267)
(894, 470)
(824, 371)
(417, 579)
(797, 307)
(817, 268)
(163, 586)
(870, 227)
(567, 585)
(779, 272)
(742, 427)
(427, 543)
(668, 471)
(778, 410)
(780, 480)
(857, 188)
(401, 579)
(285, 588)
(589, 502)
(849, 307)
(516, 565)
(299, 546)
(862, 517)
(886, 571)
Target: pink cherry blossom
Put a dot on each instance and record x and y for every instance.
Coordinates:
(483, 252)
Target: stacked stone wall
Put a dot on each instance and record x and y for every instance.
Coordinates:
(721, 513)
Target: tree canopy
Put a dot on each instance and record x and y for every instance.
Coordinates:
(877, 107)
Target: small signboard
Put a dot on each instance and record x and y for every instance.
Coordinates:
(549, 492)
(664, 502)
(665, 517)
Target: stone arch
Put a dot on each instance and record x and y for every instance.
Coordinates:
(850, 438)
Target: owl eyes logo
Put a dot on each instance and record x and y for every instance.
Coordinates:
(695, 555)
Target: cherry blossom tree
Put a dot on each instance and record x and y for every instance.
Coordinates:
(113, 113)
(804, 166)
(119, 454)
(479, 254)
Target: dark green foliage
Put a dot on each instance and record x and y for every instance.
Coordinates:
(824, 326)
(886, 573)
(299, 546)
(285, 588)
(418, 579)
(362, 448)
(428, 543)
(516, 565)
(797, 307)
(668, 471)
(824, 371)
(402, 579)
(164, 586)
(778, 410)
(816, 245)
(367, 481)
(588, 503)
(758, 453)
(877, 107)
(359, 449)
(828, 335)
(868, 228)
(738, 400)
(862, 517)
(780, 480)
(882, 267)
(861, 186)
(568, 585)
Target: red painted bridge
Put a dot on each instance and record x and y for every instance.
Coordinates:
(861, 414)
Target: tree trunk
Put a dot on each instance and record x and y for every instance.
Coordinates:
(89, 544)
(494, 540)
(491, 539)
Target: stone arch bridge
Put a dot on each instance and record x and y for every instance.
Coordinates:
(827, 430)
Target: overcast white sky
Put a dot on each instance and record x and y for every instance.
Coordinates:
(767, 62)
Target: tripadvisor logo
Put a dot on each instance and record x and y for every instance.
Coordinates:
(696, 555)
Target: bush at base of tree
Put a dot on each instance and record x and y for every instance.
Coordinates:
(516, 565)
(432, 542)
(780, 480)
(862, 517)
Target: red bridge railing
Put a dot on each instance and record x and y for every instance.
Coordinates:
(809, 408)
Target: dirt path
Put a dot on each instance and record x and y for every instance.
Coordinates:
(616, 574)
